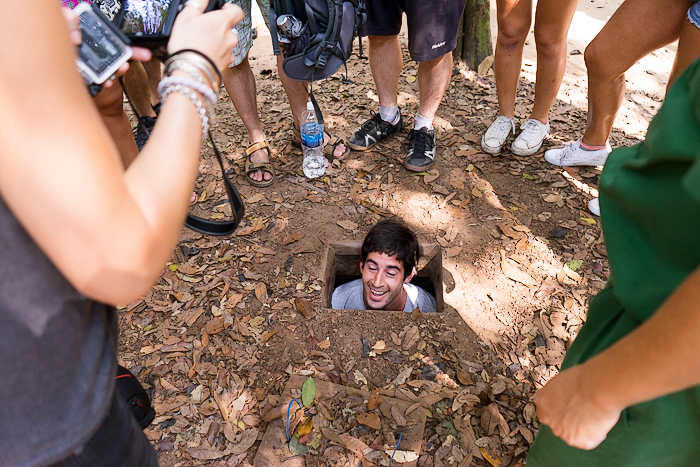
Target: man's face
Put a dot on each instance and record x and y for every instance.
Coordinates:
(382, 282)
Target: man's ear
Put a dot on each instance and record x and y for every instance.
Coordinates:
(362, 266)
(410, 276)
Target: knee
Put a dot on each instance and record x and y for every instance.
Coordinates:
(596, 61)
(549, 46)
(511, 36)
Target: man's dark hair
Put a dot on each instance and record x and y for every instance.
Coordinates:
(392, 238)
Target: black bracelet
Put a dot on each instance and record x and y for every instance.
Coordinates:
(211, 62)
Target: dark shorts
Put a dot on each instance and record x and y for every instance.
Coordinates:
(432, 25)
(119, 442)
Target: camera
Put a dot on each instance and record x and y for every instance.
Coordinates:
(148, 23)
(103, 48)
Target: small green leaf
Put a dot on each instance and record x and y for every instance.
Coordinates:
(173, 267)
(420, 174)
(308, 392)
(528, 177)
(296, 448)
(575, 264)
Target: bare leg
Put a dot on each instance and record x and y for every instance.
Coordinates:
(109, 103)
(552, 22)
(240, 84)
(433, 78)
(385, 62)
(297, 95)
(136, 84)
(637, 28)
(154, 72)
(296, 91)
(688, 50)
(514, 19)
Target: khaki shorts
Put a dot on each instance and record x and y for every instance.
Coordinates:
(245, 41)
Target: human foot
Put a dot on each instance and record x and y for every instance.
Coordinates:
(258, 168)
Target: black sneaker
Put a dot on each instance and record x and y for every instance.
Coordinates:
(372, 131)
(421, 150)
(142, 133)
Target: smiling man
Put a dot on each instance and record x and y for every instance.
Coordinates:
(388, 263)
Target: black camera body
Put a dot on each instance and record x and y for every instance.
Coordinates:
(149, 23)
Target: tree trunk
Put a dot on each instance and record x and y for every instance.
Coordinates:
(474, 34)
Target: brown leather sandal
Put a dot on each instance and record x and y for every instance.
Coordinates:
(251, 167)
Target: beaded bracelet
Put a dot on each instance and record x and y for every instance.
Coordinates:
(201, 88)
(186, 67)
(194, 61)
(193, 97)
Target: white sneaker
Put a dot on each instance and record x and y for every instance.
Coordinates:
(495, 137)
(573, 154)
(532, 135)
(594, 206)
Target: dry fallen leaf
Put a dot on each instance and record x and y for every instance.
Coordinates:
(347, 225)
(374, 400)
(511, 271)
(402, 457)
(410, 337)
(396, 415)
(293, 238)
(305, 307)
(370, 419)
(261, 292)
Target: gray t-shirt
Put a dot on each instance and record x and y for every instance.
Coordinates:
(349, 297)
(57, 355)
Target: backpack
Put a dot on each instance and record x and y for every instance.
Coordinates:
(325, 41)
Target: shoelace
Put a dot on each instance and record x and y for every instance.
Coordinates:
(372, 124)
(529, 128)
(502, 127)
(421, 140)
(568, 149)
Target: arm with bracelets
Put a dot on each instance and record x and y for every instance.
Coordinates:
(109, 231)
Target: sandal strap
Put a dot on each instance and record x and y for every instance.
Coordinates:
(264, 166)
(256, 147)
(334, 140)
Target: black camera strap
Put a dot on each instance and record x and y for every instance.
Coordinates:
(198, 224)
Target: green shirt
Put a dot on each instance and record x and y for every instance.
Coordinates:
(650, 208)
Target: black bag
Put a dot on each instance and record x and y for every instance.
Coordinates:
(130, 390)
(325, 43)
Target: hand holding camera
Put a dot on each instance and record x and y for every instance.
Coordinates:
(211, 34)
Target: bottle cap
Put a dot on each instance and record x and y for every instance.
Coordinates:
(309, 106)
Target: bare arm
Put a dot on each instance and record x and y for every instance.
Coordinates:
(109, 232)
(662, 356)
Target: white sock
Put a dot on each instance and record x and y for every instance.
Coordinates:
(422, 122)
(390, 114)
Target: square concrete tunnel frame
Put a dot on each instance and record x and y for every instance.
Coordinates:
(343, 259)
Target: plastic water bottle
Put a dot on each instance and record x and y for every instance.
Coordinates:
(312, 143)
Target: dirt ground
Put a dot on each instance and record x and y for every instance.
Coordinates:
(231, 318)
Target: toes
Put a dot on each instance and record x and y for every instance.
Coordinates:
(339, 150)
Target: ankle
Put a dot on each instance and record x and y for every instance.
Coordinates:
(423, 122)
(592, 147)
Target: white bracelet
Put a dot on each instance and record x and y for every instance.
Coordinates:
(187, 67)
(201, 88)
(195, 100)
(194, 61)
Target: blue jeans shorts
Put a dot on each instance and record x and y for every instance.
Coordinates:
(694, 14)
